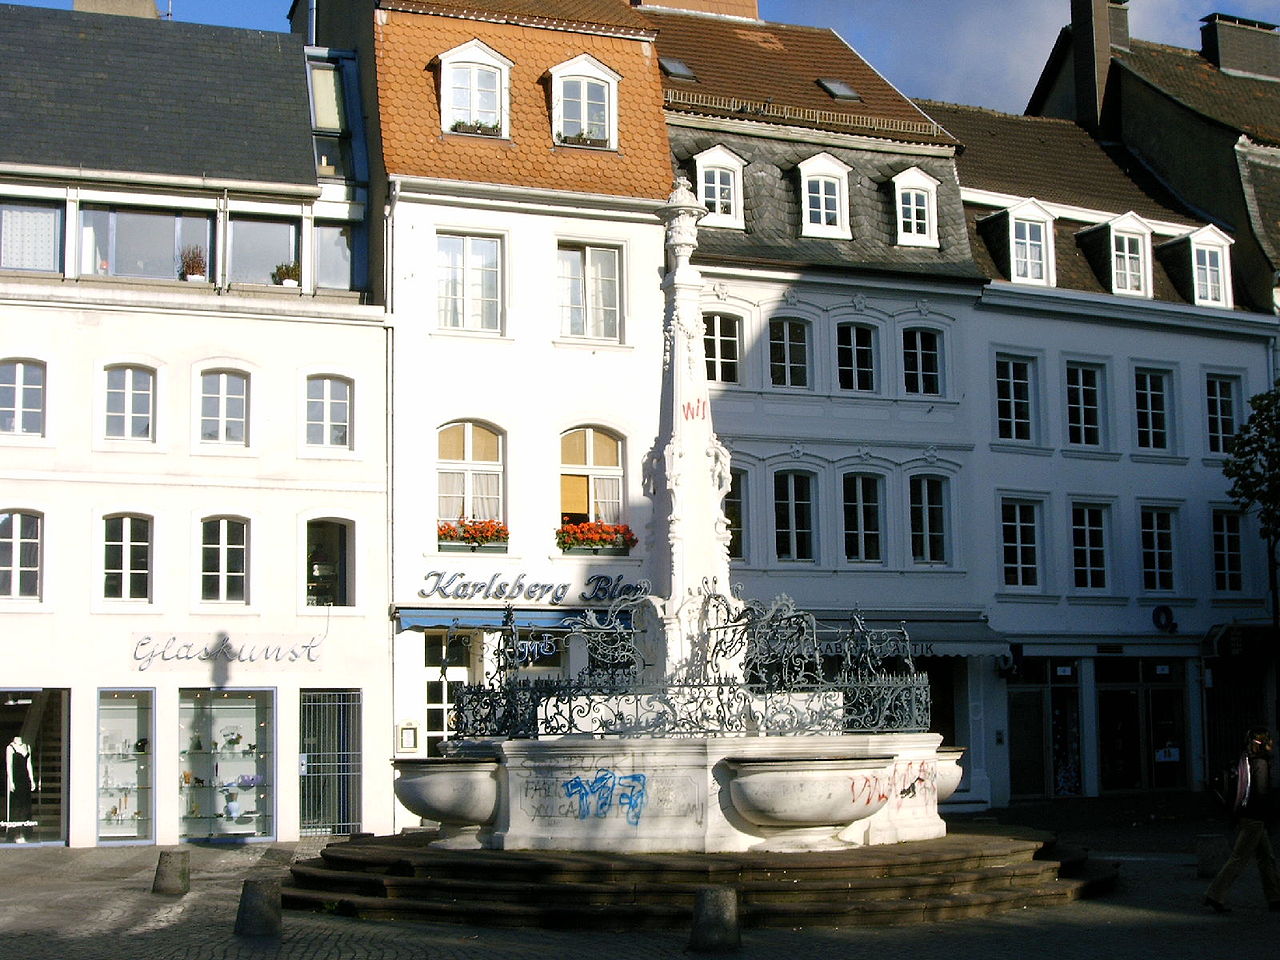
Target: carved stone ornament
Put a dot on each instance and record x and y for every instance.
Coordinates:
(922, 307)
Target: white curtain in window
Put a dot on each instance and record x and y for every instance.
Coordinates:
(452, 488)
(28, 238)
(486, 496)
(606, 497)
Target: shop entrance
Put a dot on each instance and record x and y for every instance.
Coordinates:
(1044, 729)
(33, 727)
(329, 762)
(1142, 723)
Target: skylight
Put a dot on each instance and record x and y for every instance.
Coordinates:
(676, 68)
(838, 89)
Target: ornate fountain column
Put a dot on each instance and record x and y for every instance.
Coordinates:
(688, 470)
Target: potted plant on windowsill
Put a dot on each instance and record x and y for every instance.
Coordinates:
(581, 140)
(608, 539)
(477, 128)
(286, 274)
(485, 536)
(192, 264)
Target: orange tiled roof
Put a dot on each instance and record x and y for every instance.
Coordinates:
(409, 104)
(769, 72)
(606, 15)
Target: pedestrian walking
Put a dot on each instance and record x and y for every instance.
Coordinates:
(1251, 810)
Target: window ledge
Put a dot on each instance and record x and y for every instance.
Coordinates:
(219, 608)
(1077, 453)
(1010, 597)
(210, 448)
(158, 283)
(1159, 458)
(1155, 600)
(1236, 601)
(319, 452)
(347, 612)
(23, 605)
(1098, 600)
(1029, 449)
(33, 440)
(1215, 460)
(580, 343)
(463, 333)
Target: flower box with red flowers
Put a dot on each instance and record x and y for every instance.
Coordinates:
(604, 538)
(490, 536)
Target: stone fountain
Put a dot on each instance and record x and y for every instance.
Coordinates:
(691, 720)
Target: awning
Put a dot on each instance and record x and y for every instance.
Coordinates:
(935, 634)
(489, 618)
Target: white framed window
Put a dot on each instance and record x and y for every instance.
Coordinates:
(126, 563)
(475, 83)
(722, 344)
(1228, 551)
(591, 476)
(1020, 542)
(30, 236)
(1128, 249)
(260, 248)
(735, 505)
(224, 407)
(335, 246)
(1221, 395)
(590, 291)
(141, 242)
(1031, 247)
(1089, 535)
(1156, 530)
(329, 401)
(1127, 267)
(824, 197)
(469, 282)
(328, 572)
(789, 353)
(794, 515)
(863, 517)
(22, 397)
(330, 131)
(469, 472)
(1085, 412)
(131, 399)
(917, 203)
(1211, 268)
(1015, 398)
(922, 361)
(856, 357)
(21, 554)
(584, 103)
(719, 172)
(1151, 398)
(928, 519)
(224, 559)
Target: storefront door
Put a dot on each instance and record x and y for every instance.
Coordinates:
(329, 762)
(1142, 723)
(33, 726)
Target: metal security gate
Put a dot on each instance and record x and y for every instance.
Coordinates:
(329, 764)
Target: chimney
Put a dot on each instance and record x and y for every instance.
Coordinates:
(1247, 48)
(1091, 56)
(748, 9)
(1120, 24)
(146, 9)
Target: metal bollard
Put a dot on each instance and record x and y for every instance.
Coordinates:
(259, 911)
(173, 873)
(715, 921)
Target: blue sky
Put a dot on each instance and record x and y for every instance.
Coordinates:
(985, 52)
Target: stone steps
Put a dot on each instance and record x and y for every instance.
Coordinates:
(401, 878)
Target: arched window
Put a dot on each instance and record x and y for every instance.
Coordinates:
(20, 554)
(22, 397)
(329, 411)
(922, 361)
(590, 476)
(328, 573)
(224, 559)
(224, 407)
(469, 476)
(131, 403)
(126, 566)
(794, 515)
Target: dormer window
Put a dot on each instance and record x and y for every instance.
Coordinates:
(1120, 250)
(720, 187)
(584, 103)
(1029, 246)
(474, 87)
(1199, 264)
(1021, 241)
(917, 204)
(330, 132)
(824, 184)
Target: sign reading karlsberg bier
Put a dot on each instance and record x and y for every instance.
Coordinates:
(457, 585)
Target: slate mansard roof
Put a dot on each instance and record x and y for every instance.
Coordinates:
(110, 93)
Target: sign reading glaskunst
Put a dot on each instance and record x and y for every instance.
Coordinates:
(148, 650)
(456, 585)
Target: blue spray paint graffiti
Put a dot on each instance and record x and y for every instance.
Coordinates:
(630, 790)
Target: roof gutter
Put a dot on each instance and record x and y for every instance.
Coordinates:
(42, 172)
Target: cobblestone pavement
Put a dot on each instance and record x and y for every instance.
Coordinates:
(96, 905)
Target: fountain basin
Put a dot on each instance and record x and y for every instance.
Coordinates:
(950, 773)
(460, 793)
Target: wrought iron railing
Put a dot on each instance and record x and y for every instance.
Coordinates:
(757, 670)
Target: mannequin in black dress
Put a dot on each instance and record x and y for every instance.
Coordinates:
(22, 780)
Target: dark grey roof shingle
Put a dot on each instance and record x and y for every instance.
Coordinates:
(152, 97)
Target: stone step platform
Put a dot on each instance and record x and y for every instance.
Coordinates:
(402, 878)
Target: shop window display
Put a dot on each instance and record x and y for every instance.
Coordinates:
(225, 761)
(32, 729)
(125, 807)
